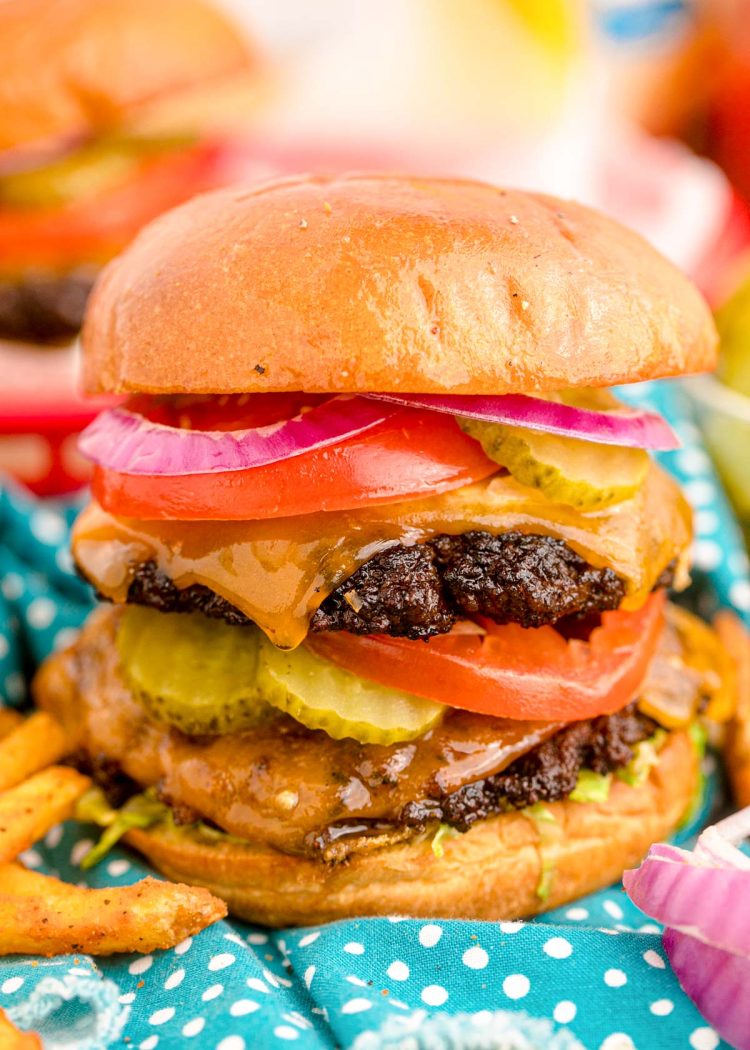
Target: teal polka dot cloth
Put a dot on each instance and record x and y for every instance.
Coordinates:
(592, 975)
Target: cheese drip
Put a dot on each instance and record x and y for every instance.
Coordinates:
(278, 572)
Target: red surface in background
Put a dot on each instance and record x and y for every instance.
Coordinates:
(716, 271)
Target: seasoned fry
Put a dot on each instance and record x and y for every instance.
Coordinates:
(12, 1039)
(737, 744)
(28, 811)
(9, 719)
(18, 881)
(40, 915)
(32, 745)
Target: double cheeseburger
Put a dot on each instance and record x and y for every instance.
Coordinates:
(386, 562)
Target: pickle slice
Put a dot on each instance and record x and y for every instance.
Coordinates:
(196, 674)
(322, 696)
(94, 167)
(207, 677)
(582, 474)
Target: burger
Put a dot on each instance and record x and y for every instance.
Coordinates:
(385, 562)
(111, 112)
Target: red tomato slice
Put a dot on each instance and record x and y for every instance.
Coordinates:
(411, 454)
(513, 672)
(95, 228)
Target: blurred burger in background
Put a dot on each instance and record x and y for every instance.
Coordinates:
(111, 111)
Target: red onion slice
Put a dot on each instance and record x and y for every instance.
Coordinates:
(718, 982)
(693, 899)
(703, 898)
(128, 443)
(634, 428)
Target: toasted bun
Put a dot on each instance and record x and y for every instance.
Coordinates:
(491, 872)
(389, 283)
(78, 67)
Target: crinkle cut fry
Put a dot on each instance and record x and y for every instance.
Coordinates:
(40, 915)
(29, 746)
(31, 808)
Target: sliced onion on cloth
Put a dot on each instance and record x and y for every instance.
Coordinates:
(703, 898)
(634, 428)
(125, 441)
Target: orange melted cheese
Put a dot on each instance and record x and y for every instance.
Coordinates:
(278, 572)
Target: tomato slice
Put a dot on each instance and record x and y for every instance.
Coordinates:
(94, 228)
(410, 454)
(512, 671)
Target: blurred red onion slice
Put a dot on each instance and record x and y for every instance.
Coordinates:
(703, 898)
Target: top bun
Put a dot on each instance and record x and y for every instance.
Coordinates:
(378, 282)
(80, 67)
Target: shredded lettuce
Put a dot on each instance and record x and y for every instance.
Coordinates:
(591, 786)
(140, 811)
(645, 757)
(699, 738)
(444, 831)
(543, 817)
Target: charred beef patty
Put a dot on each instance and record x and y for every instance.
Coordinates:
(42, 308)
(547, 773)
(299, 791)
(420, 591)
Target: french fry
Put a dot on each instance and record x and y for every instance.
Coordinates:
(40, 915)
(12, 1039)
(28, 811)
(737, 743)
(9, 719)
(34, 744)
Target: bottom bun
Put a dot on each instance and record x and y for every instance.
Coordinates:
(493, 871)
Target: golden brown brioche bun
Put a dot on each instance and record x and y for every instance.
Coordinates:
(78, 67)
(491, 872)
(382, 282)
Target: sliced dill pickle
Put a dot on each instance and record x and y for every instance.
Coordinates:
(94, 167)
(207, 677)
(323, 696)
(69, 178)
(197, 674)
(582, 474)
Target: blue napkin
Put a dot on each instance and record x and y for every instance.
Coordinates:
(591, 975)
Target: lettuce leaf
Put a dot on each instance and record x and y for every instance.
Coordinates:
(645, 757)
(140, 811)
(543, 817)
(591, 786)
(444, 831)
(699, 738)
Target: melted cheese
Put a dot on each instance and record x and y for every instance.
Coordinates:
(278, 572)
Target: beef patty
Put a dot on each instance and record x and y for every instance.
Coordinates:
(547, 773)
(44, 308)
(300, 791)
(420, 591)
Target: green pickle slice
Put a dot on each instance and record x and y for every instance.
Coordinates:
(207, 677)
(196, 674)
(587, 475)
(94, 167)
(323, 696)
